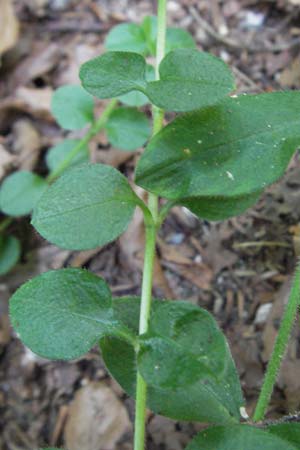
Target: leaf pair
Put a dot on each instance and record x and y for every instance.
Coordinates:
(218, 160)
(188, 79)
(10, 250)
(275, 437)
(130, 37)
(73, 108)
(62, 314)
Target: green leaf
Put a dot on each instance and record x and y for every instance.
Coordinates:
(20, 192)
(289, 432)
(72, 107)
(136, 98)
(220, 208)
(61, 314)
(178, 38)
(149, 28)
(242, 437)
(234, 149)
(189, 80)
(179, 324)
(57, 154)
(127, 128)
(88, 206)
(114, 74)
(127, 37)
(10, 250)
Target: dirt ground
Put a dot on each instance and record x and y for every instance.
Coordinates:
(239, 269)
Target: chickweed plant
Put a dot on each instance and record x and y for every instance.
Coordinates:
(215, 158)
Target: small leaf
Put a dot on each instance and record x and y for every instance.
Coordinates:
(189, 80)
(242, 437)
(114, 74)
(149, 27)
(136, 98)
(88, 206)
(61, 314)
(178, 38)
(127, 128)
(189, 327)
(72, 107)
(10, 250)
(20, 192)
(223, 152)
(126, 37)
(57, 154)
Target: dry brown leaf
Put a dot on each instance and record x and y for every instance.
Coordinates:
(6, 160)
(97, 419)
(26, 143)
(9, 26)
(290, 77)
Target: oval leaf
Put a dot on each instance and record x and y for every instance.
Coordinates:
(126, 37)
(242, 437)
(72, 107)
(114, 74)
(57, 154)
(127, 128)
(88, 206)
(20, 192)
(10, 250)
(222, 399)
(178, 38)
(189, 80)
(233, 149)
(62, 313)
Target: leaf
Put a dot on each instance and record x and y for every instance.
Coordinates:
(231, 150)
(20, 192)
(57, 154)
(10, 250)
(72, 107)
(289, 432)
(220, 208)
(127, 37)
(186, 326)
(61, 314)
(242, 437)
(178, 38)
(136, 98)
(114, 74)
(189, 80)
(88, 206)
(127, 128)
(149, 28)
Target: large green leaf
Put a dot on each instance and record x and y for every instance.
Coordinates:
(10, 250)
(61, 314)
(114, 74)
(127, 128)
(239, 437)
(57, 154)
(20, 192)
(189, 80)
(72, 107)
(193, 330)
(88, 206)
(126, 37)
(289, 432)
(231, 150)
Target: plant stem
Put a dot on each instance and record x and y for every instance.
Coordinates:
(279, 348)
(6, 222)
(94, 129)
(151, 230)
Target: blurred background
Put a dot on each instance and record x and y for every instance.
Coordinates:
(239, 269)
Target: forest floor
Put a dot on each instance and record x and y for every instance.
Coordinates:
(239, 269)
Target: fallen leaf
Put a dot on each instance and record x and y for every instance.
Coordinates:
(9, 26)
(26, 144)
(97, 419)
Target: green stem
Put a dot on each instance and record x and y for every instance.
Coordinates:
(6, 222)
(151, 230)
(94, 129)
(279, 348)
